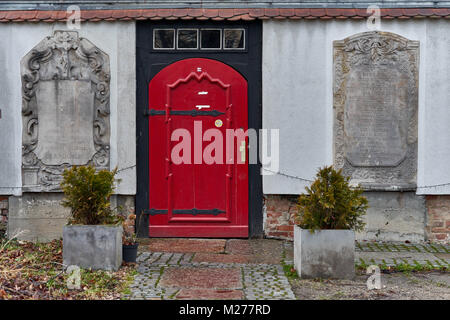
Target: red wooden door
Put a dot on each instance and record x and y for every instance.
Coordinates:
(196, 188)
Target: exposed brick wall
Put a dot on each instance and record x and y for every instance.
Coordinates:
(438, 218)
(281, 209)
(3, 214)
(280, 213)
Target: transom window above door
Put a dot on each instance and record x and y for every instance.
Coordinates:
(198, 39)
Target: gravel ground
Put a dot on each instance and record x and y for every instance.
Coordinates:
(395, 286)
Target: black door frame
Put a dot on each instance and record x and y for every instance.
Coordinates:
(149, 62)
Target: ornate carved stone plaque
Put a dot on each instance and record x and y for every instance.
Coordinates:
(375, 106)
(65, 109)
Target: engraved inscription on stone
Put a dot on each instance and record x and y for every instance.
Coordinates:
(375, 104)
(65, 117)
(65, 109)
(374, 116)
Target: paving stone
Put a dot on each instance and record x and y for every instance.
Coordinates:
(186, 245)
(210, 294)
(218, 278)
(154, 257)
(186, 258)
(220, 258)
(165, 258)
(238, 246)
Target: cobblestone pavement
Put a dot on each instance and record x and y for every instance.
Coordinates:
(196, 275)
(249, 269)
(395, 253)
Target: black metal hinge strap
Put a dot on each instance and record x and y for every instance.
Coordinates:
(194, 211)
(192, 113)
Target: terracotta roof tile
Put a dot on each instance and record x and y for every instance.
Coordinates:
(287, 12)
(164, 13)
(256, 12)
(271, 12)
(226, 13)
(91, 14)
(425, 12)
(302, 12)
(441, 12)
(318, 12)
(180, 12)
(395, 12)
(348, 12)
(14, 15)
(57, 16)
(411, 12)
(211, 13)
(29, 15)
(149, 13)
(223, 14)
(195, 12)
(332, 12)
(362, 12)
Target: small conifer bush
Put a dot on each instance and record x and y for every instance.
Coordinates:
(87, 194)
(331, 203)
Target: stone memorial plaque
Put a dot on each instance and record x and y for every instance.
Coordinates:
(375, 104)
(65, 110)
(70, 104)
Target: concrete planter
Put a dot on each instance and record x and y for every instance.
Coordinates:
(324, 253)
(96, 247)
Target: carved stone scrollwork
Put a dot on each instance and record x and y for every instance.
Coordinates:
(375, 107)
(65, 109)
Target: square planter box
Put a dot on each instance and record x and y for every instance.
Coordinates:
(324, 253)
(93, 246)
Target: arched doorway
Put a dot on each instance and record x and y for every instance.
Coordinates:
(198, 159)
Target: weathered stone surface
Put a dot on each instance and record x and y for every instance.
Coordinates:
(221, 258)
(96, 247)
(65, 111)
(375, 102)
(324, 254)
(239, 246)
(185, 245)
(394, 216)
(39, 216)
(207, 294)
(202, 278)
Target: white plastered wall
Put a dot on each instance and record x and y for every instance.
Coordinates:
(118, 41)
(298, 96)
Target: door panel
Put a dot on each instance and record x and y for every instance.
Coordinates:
(198, 198)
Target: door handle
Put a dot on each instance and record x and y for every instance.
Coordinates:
(242, 150)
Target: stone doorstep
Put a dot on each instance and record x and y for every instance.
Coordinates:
(183, 245)
(237, 246)
(201, 278)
